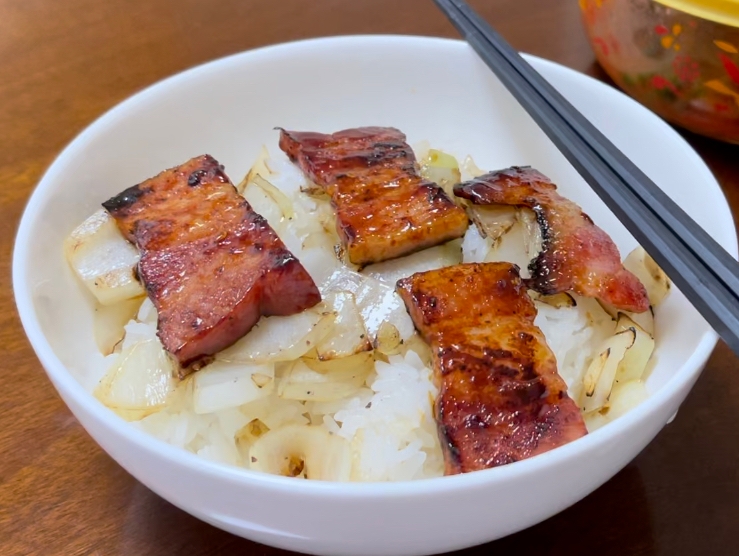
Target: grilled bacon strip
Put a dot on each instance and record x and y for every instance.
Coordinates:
(500, 398)
(384, 209)
(576, 254)
(209, 263)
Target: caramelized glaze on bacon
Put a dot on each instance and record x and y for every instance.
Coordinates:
(384, 209)
(210, 264)
(500, 398)
(576, 254)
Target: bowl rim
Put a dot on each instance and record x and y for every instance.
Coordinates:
(66, 384)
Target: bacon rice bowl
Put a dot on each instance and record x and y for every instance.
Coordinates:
(307, 337)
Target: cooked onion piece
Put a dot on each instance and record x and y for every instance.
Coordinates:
(222, 385)
(274, 411)
(282, 201)
(475, 247)
(595, 420)
(417, 345)
(140, 382)
(303, 383)
(302, 451)
(251, 432)
(147, 312)
(645, 320)
(258, 168)
(502, 233)
(600, 375)
(388, 340)
(510, 246)
(103, 259)
(393, 270)
(281, 338)
(557, 300)
(348, 334)
(652, 276)
(377, 302)
(493, 221)
(469, 169)
(109, 320)
(247, 435)
(364, 359)
(421, 148)
(264, 204)
(635, 360)
(532, 240)
(625, 396)
(655, 281)
(442, 169)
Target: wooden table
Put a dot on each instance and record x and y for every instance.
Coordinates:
(63, 63)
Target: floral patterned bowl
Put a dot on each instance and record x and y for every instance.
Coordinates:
(681, 63)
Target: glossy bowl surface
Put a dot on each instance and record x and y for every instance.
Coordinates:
(432, 89)
(682, 66)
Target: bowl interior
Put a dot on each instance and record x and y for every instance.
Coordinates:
(432, 89)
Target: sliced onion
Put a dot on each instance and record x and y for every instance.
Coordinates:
(258, 168)
(600, 375)
(510, 247)
(140, 382)
(103, 259)
(475, 248)
(532, 240)
(364, 359)
(626, 396)
(348, 334)
(266, 206)
(377, 302)
(652, 276)
(223, 385)
(281, 338)
(393, 270)
(635, 360)
(302, 451)
(320, 262)
(419, 346)
(645, 320)
(421, 149)
(470, 169)
(595, 420)
(147, 312)
(493, 221)
(312, 189)
(247, 435)
(108, 323)
(442, 169)
(388, 340)
(557, 300)
(276, 195)
(250, 432)
(302, 383)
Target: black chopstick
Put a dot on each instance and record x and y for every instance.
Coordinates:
(674, 217)
(703, 270)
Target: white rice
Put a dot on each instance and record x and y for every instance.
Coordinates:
(388, 423)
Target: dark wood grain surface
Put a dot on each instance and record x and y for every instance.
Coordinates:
(62, 63)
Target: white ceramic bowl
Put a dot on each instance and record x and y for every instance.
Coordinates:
(431, 89)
